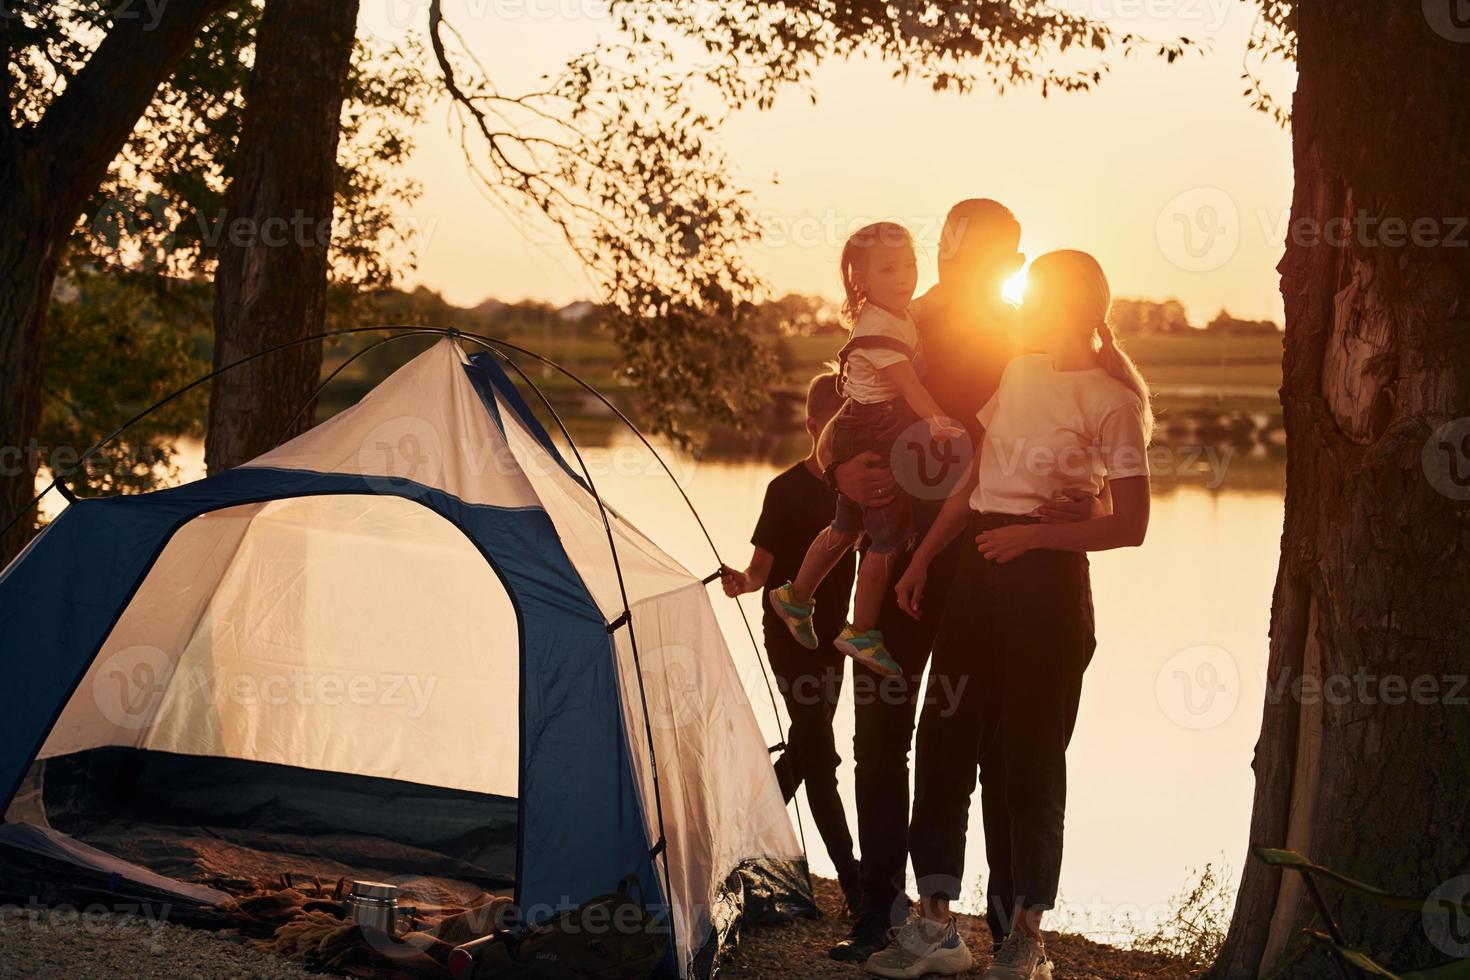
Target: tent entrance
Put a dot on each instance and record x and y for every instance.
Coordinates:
(323, 685)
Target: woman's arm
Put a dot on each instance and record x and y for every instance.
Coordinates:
(752, 578)
(1125, 527)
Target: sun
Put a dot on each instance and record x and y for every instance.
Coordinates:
(1014, 288)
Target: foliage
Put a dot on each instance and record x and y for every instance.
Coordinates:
(118, 343)
(619, 153)
(1225, 323)
(1198, 919)
(159, 217)
(161, 207)
(1273, 36)
(1131, 317)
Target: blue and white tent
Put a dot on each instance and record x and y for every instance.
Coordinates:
(431, 534)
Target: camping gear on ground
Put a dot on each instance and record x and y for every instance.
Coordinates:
(415, 624)
(612, 936)
(302, 918)
(1447, 914)
(374, 905)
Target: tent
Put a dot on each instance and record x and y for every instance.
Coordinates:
(415, 621)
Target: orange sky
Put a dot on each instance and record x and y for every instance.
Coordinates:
(1164, 172)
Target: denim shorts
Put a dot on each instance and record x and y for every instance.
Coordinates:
(861, 428)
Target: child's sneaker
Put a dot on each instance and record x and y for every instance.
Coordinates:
(796, 615)
(867, 648)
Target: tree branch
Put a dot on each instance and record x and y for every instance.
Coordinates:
(87, 125)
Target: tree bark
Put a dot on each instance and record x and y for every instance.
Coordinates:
(47, 171)
(1366, 767)
(271, 285)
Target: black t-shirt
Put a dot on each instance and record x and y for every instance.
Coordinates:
(797, 506)
(965, 353)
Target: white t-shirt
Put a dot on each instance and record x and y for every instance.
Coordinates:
(1047, 429)
(864, 383)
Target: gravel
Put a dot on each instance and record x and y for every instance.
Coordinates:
(44, 943)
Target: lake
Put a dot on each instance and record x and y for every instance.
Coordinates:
(1159, 767)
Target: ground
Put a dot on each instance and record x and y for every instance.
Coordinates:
(45, 944)
(800, 950)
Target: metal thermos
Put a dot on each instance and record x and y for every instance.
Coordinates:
(374, 905)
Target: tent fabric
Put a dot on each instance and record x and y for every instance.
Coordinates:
(48, 843)
(431, 531)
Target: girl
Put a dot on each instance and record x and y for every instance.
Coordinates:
(884, 398)
(1018, 621)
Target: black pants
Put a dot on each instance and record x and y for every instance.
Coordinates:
(810, 682)
(884, 729)
(1020, 636)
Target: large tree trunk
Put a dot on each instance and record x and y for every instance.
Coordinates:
(46, 173)
(1371, 774)
(271, 286)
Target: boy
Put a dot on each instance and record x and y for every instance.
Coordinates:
(798, 505)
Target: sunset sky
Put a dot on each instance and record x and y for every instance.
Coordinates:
(1164, 172)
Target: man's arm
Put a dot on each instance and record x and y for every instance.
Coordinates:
(1072, 505)
(865, 478)
(1125, 527)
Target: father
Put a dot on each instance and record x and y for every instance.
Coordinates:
(967, 336)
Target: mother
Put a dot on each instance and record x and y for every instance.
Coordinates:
(1018, 620)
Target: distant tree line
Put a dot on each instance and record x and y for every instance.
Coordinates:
(1137, 317)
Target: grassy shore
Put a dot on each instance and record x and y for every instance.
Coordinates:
(1195, 371)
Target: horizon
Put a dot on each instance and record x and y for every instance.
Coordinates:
(562, 307)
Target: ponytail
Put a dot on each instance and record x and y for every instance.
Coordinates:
(1114, 360)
